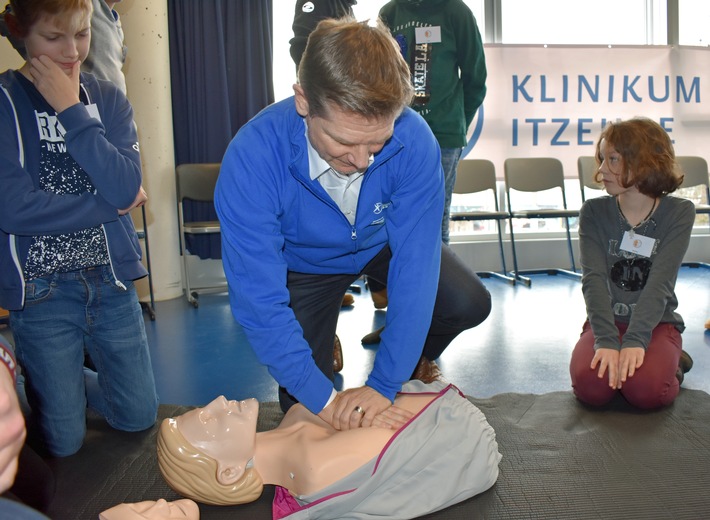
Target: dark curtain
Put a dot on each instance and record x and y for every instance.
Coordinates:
(221, 74)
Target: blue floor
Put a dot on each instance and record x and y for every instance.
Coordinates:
(523, 346)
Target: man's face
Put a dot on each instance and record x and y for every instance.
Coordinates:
(345, 140)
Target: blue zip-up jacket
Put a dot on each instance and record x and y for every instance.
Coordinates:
(107, 150)
(275, 219)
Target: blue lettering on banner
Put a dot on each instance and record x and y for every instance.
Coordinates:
(561, 131)
(633, 88)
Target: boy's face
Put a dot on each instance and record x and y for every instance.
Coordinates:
(64, 38)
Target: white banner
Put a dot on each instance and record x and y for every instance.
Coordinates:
(554, 100)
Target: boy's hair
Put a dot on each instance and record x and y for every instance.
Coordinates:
(23, 14)
(648, 158)
(356, 67)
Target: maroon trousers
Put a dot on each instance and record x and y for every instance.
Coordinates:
(652, 386)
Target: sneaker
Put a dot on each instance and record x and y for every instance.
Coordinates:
(684, 365)
(337, 355)
(372, 337)
(686, 362)
(379, 298)
(427, 371)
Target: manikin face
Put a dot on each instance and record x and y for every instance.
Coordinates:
(344, 140)
(611, 169)
(160, 510)
(65, 44)
(225, 431)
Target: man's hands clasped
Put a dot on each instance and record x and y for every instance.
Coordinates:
(363, 407)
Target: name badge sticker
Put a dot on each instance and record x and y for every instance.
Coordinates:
(427, 34)
(93, 111)
(637, 244)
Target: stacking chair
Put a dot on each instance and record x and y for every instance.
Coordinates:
(474, 176)
(533, 175)
(695, 171)
(586, 170)
(196, 182)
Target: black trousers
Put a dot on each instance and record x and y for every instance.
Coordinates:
(462, 302)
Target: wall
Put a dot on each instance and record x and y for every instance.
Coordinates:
(147, 70)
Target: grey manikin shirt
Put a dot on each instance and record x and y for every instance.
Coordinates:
(629, 288)
(446, 454)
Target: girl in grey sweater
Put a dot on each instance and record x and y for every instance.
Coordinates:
(632, 243)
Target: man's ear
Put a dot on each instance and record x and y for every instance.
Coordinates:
(301, 101)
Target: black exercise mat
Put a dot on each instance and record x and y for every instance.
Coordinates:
(561, 460)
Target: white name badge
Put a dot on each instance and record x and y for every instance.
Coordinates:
(93, 111)
(427, 34)
(637, 244)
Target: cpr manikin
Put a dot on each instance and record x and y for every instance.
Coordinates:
(446, 453)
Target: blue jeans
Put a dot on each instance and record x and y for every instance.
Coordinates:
(449, 162)
(65, 313)
(17, 511)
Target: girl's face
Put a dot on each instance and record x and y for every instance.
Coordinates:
(225, 431)
(65, 43)
(611, 168)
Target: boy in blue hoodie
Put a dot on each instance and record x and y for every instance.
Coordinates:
(70, 171)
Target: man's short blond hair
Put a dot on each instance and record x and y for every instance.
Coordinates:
(356, 67)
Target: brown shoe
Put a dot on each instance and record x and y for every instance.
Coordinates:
(348, 300)
(337, 355)
(372, 337)
(379, 298)
(427, 371)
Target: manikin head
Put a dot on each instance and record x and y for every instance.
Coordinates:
(205, 453)
(153, 510)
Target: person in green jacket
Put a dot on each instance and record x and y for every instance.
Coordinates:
(442, 44)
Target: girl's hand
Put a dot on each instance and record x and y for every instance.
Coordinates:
(59, 88)
(630, 359)
(607, 358)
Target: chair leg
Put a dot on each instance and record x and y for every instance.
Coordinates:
(516, 273)
(504, 273)
(191, 299)
(573, 273)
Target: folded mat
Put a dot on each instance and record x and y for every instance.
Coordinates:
(561, 460)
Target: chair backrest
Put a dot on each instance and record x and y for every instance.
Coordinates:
(475, 175)
(534, 173)
(695, 171)
(586, 170)
(197, 181)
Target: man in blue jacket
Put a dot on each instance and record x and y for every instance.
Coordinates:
(339, 181)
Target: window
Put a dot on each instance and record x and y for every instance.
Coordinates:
(694, 22)
(602, 22)
(553, 22)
